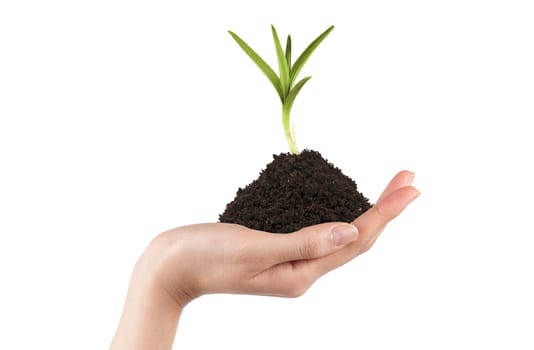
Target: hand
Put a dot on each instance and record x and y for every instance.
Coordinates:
(185, 263)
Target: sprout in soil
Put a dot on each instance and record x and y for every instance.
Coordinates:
(284, 83)
(295, 190)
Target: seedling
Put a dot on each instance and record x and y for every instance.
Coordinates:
(295, 190)
(284, 82)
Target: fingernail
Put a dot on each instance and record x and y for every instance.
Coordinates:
(409, 181)
(344, 234)
(414, 196)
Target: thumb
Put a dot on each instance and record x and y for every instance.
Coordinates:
(312, 242)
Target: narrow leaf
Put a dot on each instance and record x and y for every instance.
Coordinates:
(293, 94)
(282, 64)
(299, 63)
(264, 67)
(288, 52)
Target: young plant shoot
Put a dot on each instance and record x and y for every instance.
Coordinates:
(295, 190)
(284, 82)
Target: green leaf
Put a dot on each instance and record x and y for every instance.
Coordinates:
(288, 72)
(264, 67)
(299, 63)
(288, 52)
(282, 64)
(293, 93)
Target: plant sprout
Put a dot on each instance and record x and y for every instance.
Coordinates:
(284, 83)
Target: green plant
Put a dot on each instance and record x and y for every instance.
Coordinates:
(284, 83)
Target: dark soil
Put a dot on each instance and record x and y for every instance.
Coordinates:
(296, 191)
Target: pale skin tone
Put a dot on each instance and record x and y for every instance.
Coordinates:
(187, 262)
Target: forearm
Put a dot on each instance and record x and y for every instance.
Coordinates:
(150, 316)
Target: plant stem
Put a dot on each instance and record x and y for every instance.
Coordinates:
(284, 82)
(290, 135)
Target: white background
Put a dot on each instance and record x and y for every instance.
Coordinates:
(122, 119)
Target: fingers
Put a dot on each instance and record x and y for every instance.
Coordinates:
(372, 221)
(302, 257)
(402, 179)
(287, 273)
(370, 225)
(310, 242)
(325, 239)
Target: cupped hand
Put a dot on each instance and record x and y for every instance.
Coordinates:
(187, 262)
(190, 261)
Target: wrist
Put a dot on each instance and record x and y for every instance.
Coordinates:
(150, 315)
(163, 265)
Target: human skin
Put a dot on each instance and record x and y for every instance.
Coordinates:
(187, 262)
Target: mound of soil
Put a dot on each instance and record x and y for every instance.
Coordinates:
(296, 191)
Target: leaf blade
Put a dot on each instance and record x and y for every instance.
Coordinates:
(262, 65)
(282, 64)
(294, 92)
(288, 52)
(301, 60)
